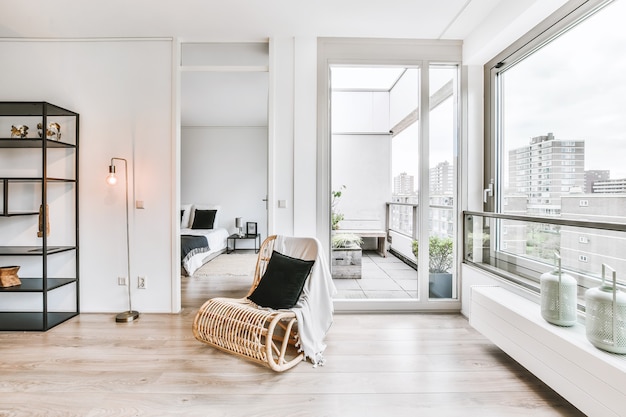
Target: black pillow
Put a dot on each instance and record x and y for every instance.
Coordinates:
(282, 283)
(203, 219)
(182, 213)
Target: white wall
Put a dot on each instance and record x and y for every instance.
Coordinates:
(361, 158)
(360, 111)
(506, 23)
(292, 144)
(281, 130)
(226, 166)
(362, 163)
(305, 145)
(122, 91)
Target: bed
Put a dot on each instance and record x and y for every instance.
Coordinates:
(201, 237)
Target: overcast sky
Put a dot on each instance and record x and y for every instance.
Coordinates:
(575, 88)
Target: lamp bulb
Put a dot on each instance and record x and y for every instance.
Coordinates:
(111, 178)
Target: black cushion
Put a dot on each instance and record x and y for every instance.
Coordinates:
(182, 213)
(282, 283)
(203, 219)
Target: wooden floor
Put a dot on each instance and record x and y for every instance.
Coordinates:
(377, 365)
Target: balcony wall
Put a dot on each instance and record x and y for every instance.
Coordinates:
(362, 163)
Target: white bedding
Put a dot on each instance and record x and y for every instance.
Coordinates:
(216, 239)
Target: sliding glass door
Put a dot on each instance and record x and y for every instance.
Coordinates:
(393, 183)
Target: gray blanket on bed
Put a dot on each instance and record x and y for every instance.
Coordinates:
(191, 245)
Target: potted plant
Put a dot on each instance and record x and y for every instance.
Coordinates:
(440, 256)
(335, 216)
(345, 240)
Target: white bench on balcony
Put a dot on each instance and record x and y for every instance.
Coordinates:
(365, 229)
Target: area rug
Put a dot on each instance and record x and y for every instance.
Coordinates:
(232, 264)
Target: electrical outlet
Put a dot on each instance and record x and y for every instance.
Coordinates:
(142, 283)
(121, 280)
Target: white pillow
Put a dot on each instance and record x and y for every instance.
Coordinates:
(184, 222)
(195, 207)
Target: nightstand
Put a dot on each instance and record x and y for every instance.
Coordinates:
(235, 237)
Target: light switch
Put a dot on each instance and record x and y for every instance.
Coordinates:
(282, 203)
(139, 204)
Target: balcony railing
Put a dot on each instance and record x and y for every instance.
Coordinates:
(520, 248)
(403, 228)
(401, 219)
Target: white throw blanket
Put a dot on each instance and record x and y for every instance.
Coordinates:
(314, 309)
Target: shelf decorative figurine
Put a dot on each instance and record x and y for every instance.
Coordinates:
(52, 132)
(606, 315)
(8, 276)
(19, 131)
(558, 296)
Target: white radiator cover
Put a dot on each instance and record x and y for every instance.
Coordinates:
(592, 380)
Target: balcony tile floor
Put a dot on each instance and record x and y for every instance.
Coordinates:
(381, 278)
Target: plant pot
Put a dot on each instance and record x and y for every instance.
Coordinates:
(440, 285)
(346, 262)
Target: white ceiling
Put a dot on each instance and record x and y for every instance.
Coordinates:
(245, 21)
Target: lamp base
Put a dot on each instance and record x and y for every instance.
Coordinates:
(127, 316)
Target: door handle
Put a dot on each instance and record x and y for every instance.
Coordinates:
(488, 192)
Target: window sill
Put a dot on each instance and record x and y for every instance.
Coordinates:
(592, 380)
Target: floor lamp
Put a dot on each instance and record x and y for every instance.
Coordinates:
(130, 315)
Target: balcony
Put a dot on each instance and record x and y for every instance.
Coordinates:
(381, 278)
(391, 273)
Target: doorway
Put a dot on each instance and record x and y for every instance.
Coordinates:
(393, 182)
(224, 89)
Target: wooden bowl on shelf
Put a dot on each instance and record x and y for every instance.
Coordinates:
(8, 276)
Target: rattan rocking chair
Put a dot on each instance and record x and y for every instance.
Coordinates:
(238, 326)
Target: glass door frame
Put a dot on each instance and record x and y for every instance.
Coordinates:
(405, 53)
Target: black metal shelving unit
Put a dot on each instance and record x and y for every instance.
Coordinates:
(51, 150)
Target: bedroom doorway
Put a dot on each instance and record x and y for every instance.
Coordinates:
(224, 90)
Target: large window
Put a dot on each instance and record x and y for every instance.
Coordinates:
(558, 139)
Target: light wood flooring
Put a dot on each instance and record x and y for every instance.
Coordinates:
(377, 365)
